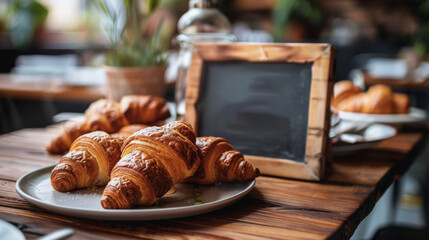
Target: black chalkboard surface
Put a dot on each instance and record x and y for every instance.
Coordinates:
(269, 100)
(252, 105)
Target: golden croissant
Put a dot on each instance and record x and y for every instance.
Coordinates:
(343, 90)
(379, 99)
(69, 132)
(105, 115)
(89, 162)
(145, 109)
(153, 160)
(126, 131)
(110, 116)
(221, 163)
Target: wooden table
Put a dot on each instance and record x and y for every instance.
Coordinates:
(52, 88)
(276, 209)
(403, 84)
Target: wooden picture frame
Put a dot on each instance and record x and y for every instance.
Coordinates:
(317, 148)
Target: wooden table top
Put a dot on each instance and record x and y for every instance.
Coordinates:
(276, 209)
(369, 80)
(52, 88)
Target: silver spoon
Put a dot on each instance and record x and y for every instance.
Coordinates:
(58, 234)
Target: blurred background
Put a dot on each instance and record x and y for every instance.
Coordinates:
(58, 48)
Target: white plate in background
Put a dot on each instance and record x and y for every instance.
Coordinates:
(364, 139)
(187, 200)
(415, 115)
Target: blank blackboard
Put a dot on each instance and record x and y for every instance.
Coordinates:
(269, 100)
(252, 105)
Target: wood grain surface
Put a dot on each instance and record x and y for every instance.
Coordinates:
(30, 87)
(277, 208)
(403, 84)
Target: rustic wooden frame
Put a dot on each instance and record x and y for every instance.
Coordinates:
(321, 55)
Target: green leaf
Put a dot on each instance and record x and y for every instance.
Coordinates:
(285, 11)
(132, 50)
(24, 17)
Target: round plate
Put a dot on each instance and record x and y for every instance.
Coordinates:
(369, 137)
(415, 115)
(8, 231)
(187, 199)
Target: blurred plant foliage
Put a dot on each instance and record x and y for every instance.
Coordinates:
(130, 47)
(421, 43)
(23, 18)
(286, 11)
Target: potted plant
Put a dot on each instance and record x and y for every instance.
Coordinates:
(136, 62)
(292, 19)
(24, 20)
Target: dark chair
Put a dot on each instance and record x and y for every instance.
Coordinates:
(400, 233)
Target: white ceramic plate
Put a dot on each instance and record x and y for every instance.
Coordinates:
(415, 115)
(8, 231)
(367, 138)
(187, 200)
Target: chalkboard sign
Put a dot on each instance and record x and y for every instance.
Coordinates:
(270, 101)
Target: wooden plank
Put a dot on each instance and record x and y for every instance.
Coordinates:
(35, 139)
(368, 166)
(42, 224)
(277, 208)
(403, 84)
(275, 167)
(13, 168)
(29, 87)
(252, 52)
(23, 151)
(34, 228)
(319, 113)
(193, 91)
(289, 205)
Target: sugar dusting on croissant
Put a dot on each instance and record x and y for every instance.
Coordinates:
(153, 160)
(89, 162)
(221, 163)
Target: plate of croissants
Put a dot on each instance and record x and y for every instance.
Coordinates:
(158, 172)
(379, 104)
(123, 162)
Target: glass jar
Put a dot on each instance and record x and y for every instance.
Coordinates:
(201, 23)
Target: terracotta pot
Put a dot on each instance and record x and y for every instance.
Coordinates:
(121, 81)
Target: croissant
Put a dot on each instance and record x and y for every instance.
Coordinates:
(110, 116)
(183, 128)
(105, 115)
(153, 160)
(379, 99)
(221, 163)
(353, 103)
(89, 162)
(401, 103)
(126, 131)
(69, 132)
(343, 90)
(144, 109)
